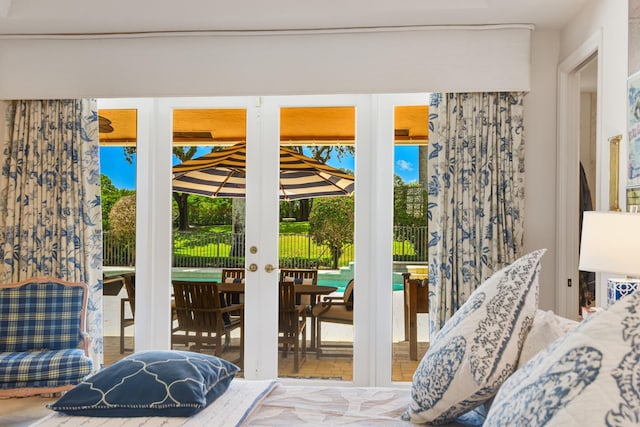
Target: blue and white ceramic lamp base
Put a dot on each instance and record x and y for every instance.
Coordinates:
(618, 288)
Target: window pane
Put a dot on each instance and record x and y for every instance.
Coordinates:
(410, 301)
(316, 239)
(118, 138)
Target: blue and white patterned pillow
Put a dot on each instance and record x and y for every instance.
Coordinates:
(150, 383)
(589, 377)
(478, 348)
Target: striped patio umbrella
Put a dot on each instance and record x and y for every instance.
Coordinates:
(222, 174)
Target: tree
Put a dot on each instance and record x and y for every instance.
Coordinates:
(423, 156)
(182, 199)
(331, 223)
(321, 153)
(183, 153)
(123, 218)
(409, 212)
(110, 194)
(123, 223)
(209, 210)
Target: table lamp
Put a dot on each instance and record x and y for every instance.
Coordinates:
(611, 244)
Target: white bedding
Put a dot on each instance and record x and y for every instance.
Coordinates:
(268, 403)
(230, 409)
(328, 406)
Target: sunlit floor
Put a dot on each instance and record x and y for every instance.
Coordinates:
(326, 367)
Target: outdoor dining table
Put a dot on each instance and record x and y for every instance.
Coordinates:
(238, 288)
(111, 285)
(313, 290)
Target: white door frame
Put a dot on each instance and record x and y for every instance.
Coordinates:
(383, 140)
(374, 212)
(568, 170)
(364, 173)
(153, 222)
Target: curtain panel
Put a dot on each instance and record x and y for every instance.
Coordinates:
(476, 193)
(50, 210)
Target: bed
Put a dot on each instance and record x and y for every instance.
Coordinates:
(271, 403)
(499, 351)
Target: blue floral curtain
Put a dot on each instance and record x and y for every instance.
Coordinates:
(50, 213)
(476, 193)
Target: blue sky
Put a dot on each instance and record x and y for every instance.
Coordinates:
(123, 174)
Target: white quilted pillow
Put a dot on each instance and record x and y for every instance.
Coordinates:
(587, 378)
(547, 327)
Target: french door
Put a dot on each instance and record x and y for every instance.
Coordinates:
(373, 144)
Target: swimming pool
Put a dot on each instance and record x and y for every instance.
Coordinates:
(341, 284)
(325, 278)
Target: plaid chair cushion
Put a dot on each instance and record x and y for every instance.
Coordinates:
(40, 316)
(43, 368)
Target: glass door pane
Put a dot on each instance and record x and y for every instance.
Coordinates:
(410, 263)
(209, 230)
(118, 138)
(316, 250)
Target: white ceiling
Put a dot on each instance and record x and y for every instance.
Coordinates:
(121, 16)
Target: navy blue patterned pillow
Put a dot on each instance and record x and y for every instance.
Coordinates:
(589, 377)
(150, 383)
(478, 348)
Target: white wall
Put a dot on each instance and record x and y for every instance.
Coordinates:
(611, 17)
(540, 159)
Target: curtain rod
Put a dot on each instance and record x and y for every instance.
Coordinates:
(248, 33)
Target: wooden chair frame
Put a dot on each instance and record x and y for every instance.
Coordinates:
(125, 321)
(309, 301)
(234, 274)
(416, 300)
(292, 322)
(200, 317)
(322, 314)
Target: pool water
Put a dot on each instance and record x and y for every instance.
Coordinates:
(341, 284)
(323, 279)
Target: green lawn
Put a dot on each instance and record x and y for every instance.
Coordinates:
(285, 228)
(290, 246)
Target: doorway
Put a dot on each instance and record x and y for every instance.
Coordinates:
(588, 74)
(156, 124)
(579, 141)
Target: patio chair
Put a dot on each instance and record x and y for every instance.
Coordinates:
(202, 317)
(292, 322)
(233, 275)
(416, 300)
(338, 309)
(125, 319)
(303, 277)
(300, 276)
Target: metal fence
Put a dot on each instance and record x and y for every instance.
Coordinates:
(225, 250)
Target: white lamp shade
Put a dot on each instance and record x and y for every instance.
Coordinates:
(610, 243)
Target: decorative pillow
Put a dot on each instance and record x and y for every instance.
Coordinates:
(478, 348)
(547, 327)
(150, 383)
(588, 377)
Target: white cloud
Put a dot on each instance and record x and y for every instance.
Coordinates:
(404, 165)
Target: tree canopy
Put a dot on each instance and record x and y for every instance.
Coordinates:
(331, 223)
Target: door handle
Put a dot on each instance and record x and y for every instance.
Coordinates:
(253, 267)
(269, 268)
